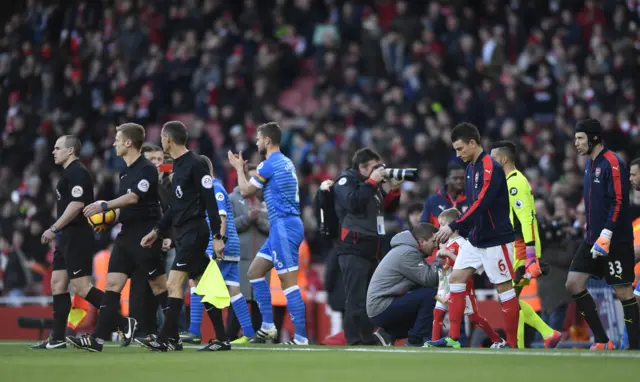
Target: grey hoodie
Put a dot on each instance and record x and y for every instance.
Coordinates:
(400, 271)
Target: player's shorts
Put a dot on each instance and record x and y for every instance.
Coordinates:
(191, 249)
(494, 261)
(637, 290)
(283, 244)
(75, 247)
(128, 255)
(230, 272)
(617, 268)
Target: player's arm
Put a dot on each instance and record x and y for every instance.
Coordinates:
(519, 190)
(425, 217)
(204, 181)
(614, 193)
(221, 202)
(250, 187)
(523, 210)
(490, 186)
(352, 194)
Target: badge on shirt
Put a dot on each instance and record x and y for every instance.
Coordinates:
(381, 230)
(143, 185)
(219, 196)
(77, 191)
(207, 181)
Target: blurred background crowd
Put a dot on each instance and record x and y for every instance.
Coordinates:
(394, 75)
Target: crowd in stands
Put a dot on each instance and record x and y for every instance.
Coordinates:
(394, 75)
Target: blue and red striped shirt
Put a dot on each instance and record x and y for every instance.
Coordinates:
(488, 214)
(606, 197)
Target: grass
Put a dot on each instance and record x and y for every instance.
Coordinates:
(311, 364)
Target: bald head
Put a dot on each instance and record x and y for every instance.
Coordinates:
(66, 150)
(72, 142)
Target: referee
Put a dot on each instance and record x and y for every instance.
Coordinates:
(75, 247)
(192, 186)
(139, 212)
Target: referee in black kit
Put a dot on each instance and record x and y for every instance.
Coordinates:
(192, 186)
(75, 244)
(139, 212)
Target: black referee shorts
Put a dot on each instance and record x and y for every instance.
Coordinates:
(128, 255)
(75, 248)
(617, 268)
(191, 249)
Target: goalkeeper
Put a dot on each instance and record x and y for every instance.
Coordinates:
(527, 247)
(607, 249)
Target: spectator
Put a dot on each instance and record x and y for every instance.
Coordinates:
(383, 70)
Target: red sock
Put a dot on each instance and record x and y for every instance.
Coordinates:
(438, 319)
(511, 314)
(486, 327)
(456, 308)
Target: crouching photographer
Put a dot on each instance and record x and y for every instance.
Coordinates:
(360, 206)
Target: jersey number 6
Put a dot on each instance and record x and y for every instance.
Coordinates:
(501, 266)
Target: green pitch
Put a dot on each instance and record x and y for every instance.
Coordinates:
(311, 364)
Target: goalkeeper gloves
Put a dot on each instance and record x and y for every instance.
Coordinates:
(531, 264)
(601, 246)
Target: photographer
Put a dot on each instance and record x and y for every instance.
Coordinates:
(360, 205)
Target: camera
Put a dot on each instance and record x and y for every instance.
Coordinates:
(408, 174)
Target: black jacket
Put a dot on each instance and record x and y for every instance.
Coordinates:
(359, 204)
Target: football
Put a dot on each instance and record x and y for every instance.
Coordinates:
(101, 220)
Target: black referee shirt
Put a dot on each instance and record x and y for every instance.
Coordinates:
(141, 178)
(75, 185)
(193, 195)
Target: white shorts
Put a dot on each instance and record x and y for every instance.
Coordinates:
(494, 261)
(469, 308)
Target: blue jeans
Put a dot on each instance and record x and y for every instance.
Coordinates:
(555, 319)
(409, 316)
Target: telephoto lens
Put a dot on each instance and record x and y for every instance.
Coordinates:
(408, 174)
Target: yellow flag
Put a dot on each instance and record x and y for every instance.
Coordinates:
(76, 315)
(212, 287)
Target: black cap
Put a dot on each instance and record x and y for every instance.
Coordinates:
(589, 126)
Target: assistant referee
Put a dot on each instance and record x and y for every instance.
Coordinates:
(192, 195)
